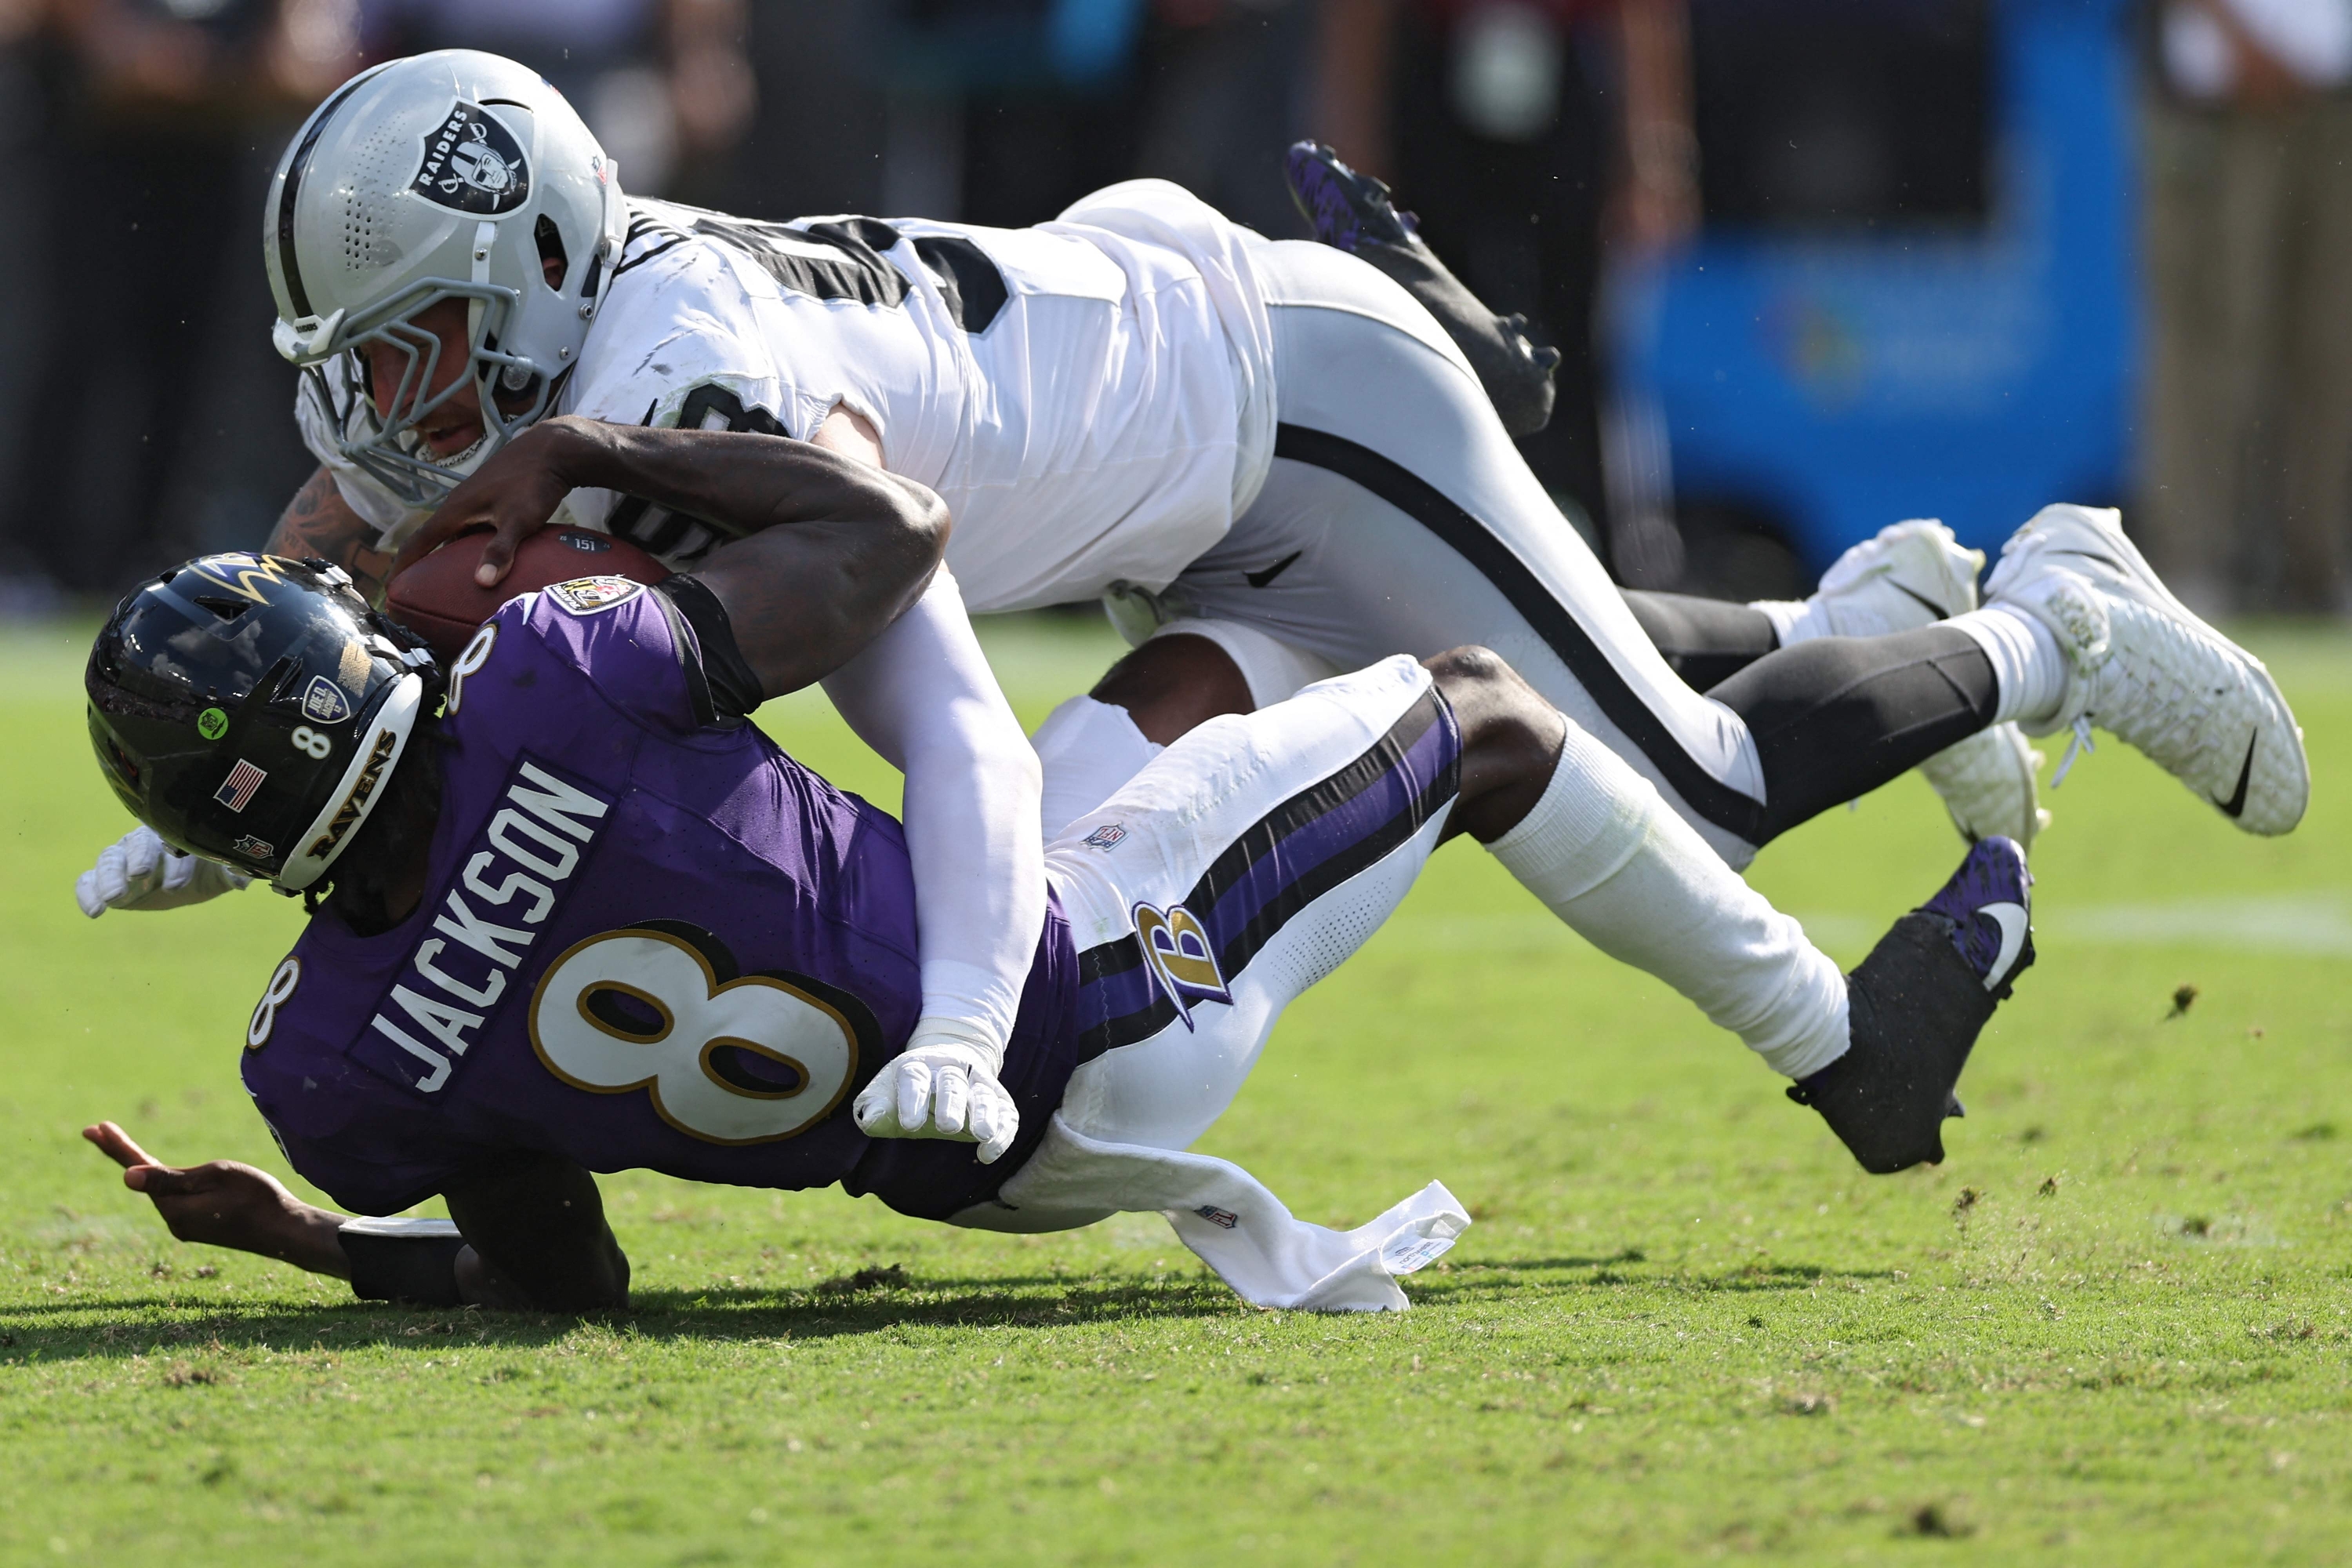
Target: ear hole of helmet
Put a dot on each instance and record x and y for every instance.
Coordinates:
(125, 764)
(553, 264)
(279, 682)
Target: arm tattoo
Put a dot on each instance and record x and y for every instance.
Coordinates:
(317, 522)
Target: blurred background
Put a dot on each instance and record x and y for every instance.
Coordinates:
(1815, 265)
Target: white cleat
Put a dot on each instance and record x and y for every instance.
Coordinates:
(1914, 574)
(1986, 783)
(2149, 671)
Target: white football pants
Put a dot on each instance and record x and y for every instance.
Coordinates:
(1398, 518)
(1241, 867)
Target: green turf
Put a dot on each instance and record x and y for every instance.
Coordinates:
(2111, 1328)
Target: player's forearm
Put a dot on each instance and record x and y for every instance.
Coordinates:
(834, 550)
(301, 1234)
(924, 697)
(312, 1239)
(319, 522)
(743, 481)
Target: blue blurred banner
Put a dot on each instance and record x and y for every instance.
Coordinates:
(1932, 349)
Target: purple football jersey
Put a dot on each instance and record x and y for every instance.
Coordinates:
(646, 943)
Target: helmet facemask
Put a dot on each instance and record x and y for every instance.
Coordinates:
(388, 444)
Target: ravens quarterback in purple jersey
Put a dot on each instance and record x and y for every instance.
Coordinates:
(572, 913)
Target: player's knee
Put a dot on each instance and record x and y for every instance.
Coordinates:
(1510, 735)
(1171, 685)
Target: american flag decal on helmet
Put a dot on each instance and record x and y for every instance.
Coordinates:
(237, 791)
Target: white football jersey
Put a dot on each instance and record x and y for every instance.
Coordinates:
(1091, 397)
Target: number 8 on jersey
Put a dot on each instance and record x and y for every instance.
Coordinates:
(747, 1061)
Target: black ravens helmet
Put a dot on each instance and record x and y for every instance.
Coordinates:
(251, 709)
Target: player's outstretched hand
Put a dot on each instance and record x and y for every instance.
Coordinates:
(222, 1203)
(940, 1089)
(513, 494)
(140, 871)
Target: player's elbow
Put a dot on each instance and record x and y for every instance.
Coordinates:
(600, 1285)
(923, 518)
(1015, 776)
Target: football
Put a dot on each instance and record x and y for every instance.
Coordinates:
(439, 599)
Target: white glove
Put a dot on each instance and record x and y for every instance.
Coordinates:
(943, 1085)
(143, 872)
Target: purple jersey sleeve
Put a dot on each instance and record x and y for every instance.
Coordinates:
(645, 942)
(619, 639)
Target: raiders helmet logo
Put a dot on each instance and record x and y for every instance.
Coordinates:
(586, 596)
(1177, 948)
(472, 164)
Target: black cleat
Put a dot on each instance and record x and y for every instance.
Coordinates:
(1916, 1006)
(1344, 209)
(1352, 212)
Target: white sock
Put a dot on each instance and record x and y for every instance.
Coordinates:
(1795, 620)
(1087, 749)
(2028, 669)
(1604, 854)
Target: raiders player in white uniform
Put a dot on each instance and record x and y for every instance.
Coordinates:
(1268, 447)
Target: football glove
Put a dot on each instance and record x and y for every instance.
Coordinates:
(143, 872)
(943, 1085)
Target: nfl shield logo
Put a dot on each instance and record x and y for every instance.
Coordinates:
(324, 703)
(1108, 836)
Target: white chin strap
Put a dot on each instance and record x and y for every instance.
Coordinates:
(359, 790)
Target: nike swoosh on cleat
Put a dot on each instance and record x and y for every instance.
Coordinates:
(2010, 918)
(1264, 574)
(1941, 613)
(2235, 807)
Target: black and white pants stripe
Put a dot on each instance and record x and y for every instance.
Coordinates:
(1398, 518)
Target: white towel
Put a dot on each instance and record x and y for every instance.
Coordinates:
(1230, 1219)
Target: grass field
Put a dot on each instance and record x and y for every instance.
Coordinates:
(2112, 1328)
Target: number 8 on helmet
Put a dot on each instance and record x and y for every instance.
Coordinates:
(252, 710)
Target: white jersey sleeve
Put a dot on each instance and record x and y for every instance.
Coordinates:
(1074, 394)
(722, 323)
(1092, 398)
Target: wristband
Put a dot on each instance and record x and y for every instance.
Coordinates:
(409, 1260)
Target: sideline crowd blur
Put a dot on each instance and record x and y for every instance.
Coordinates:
(2246, 473)
(143, 416)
